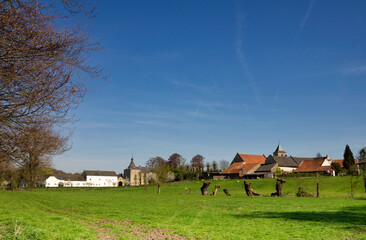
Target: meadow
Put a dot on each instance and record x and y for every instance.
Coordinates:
(180, 212)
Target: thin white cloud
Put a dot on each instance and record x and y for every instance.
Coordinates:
(241, 55)
(356, 70)
(305, 19)
(94, 125)
(199, 88)
(152, 123)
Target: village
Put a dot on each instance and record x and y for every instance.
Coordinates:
(243, 166)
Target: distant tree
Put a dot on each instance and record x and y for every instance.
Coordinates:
(348, 159)
(208, 166)
(337, 167)
(224, 164)
(214, 166)
(175, 160)
(197, 163)
(156, 161)
(319, 155)
(362, 154)
(160, 171)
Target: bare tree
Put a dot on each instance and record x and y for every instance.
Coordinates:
(214, 166)
(197, 163)
(205, 187)
(362, 154)
(217, 186)
(248, 190)
(279, 184)
(175, 160)
(37, 63)
(224, 164)
(34, 148)
(208, 167)
(156, 162)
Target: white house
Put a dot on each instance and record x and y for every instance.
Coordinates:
(89, 179)
(100, 178)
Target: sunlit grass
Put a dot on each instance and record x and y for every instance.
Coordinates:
(71, 213)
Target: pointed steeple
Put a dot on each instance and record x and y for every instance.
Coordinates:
(132, 164)
(279, 152)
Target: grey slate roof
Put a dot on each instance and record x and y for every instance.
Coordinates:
(279, 149)
(64, 176)
(99, 173)
(299, 160)
(286, 161)
(143, 169)
(266, 167)
(132, 165)
(289, 161)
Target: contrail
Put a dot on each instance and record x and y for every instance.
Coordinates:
(240, 53)
(305, 19)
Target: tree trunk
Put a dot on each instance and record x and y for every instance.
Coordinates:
(226, 191)
(249, 191)
(158, 188)
(279, 184)
(318, 189)
(216, 188)
(302, 193)
(204, 188)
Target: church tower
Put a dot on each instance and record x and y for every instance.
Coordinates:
(132, 164)
(279, 152)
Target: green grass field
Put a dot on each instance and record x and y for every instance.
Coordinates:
(180, 212)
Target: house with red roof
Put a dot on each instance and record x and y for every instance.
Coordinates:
(316, 165)
(242, 165)
(340, 161)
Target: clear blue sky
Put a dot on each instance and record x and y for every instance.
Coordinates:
(220, 77)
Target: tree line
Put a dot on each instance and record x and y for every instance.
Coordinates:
(195, 169)
(176, 168)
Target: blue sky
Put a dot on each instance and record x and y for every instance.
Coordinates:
(220, 77)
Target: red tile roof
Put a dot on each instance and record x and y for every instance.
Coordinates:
(253, 158)
(340, 161)
(240, 168)
(249, 166)
(234, 168)
(312, 166)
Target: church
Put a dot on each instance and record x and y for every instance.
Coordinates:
(135, 175)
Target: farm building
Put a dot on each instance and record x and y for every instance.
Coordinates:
(340, 161)
(362, 164)
(265, 171)
(289, 164)
(242, 165)
(87, 179)
(258, 166)
(318, 165)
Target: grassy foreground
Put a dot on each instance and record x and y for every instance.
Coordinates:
(180, 211)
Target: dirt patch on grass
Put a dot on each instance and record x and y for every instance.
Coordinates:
(112, 229)
(78, 212)
(50, 211)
